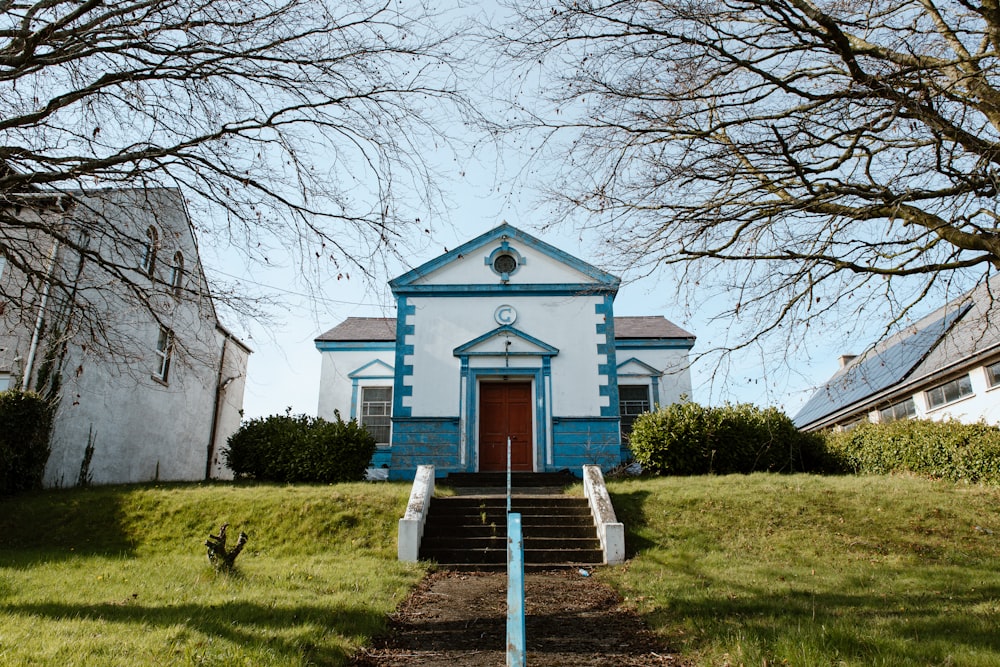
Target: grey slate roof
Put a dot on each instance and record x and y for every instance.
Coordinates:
(957, 335)
(648, 326)
(379, 329)
(361, 329)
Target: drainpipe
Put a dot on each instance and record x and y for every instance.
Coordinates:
(220, 389)
(40, 320)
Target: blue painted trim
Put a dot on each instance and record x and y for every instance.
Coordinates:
(354, 398)
(632, 360)
(607, 371)
(404, 372)
(655, 344)
(512, 234)
(505, 249)
(360, 371)
(354, 346)
(506, 330)
(540, 415)
(489, 289)
(427, 420)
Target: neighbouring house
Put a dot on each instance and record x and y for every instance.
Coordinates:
(505, 336)
(149, 383)
(945, 366)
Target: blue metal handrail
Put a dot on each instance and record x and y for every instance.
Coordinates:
(516, 642)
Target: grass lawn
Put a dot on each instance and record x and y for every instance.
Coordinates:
(118, 575)
(803, 570)
(741, 570)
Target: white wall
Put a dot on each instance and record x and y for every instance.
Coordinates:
(982, 405)
(568, 323)
(336, 386)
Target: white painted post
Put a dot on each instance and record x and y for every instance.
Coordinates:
(610, 531)
(411, 526)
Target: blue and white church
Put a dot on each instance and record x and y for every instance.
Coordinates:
(503, 337)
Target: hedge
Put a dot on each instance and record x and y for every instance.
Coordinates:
(691, 439)
(286, 448)
(942, 449)
(25, 426)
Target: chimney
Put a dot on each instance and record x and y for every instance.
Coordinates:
(845, 359)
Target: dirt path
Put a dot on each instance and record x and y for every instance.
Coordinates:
(458, 619)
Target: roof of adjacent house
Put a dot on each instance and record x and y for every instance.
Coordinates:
(955, 336)
(379, 329)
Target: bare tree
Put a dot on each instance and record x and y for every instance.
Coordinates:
(799, 155)
(286, 123)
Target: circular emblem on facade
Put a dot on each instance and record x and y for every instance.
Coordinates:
(505, 315)
(504, 263)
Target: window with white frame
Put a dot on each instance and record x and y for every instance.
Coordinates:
(993, 374)
(177, 272)
(376, 412)
(901, 410)
(148, 260)
(3, 265)
(633, 400)
(949, 391)
(164, 348)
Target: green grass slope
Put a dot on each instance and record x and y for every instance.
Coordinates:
(804, 570)
(119, 576)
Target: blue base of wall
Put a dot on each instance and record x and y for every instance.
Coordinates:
(425, 441)
(577, 441)
(580, 441)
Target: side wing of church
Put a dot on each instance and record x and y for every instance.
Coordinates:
(503, 337)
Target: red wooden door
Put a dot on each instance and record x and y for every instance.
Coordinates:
(505, 410)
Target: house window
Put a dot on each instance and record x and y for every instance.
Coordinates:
(148, 262)
(3, 265)
(847, 427)
(5, 381)
(376, 412)
(902, 410)
(164, 348)
(949, 391)
(993, 374)
(633, 400)
(177, 272)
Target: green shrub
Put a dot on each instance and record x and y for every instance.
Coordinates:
(945, 450)
(691, 439)
(286, 448)
(25, 426)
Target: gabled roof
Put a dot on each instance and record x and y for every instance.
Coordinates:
(647, 326)
(948, 339)
(361, 329)
(595, 279)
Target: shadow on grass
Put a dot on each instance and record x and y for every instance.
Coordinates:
(242, 623)
(947, 615)
(630, 509)
(47, 525)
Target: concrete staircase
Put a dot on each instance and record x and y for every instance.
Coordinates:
(469, 530)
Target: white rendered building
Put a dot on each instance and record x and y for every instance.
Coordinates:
(143, 393)
(503, 337)
(945, 366)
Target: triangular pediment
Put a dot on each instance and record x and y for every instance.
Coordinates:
(505, 341)
(525, 263)
(373, 369)
(635, 367)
